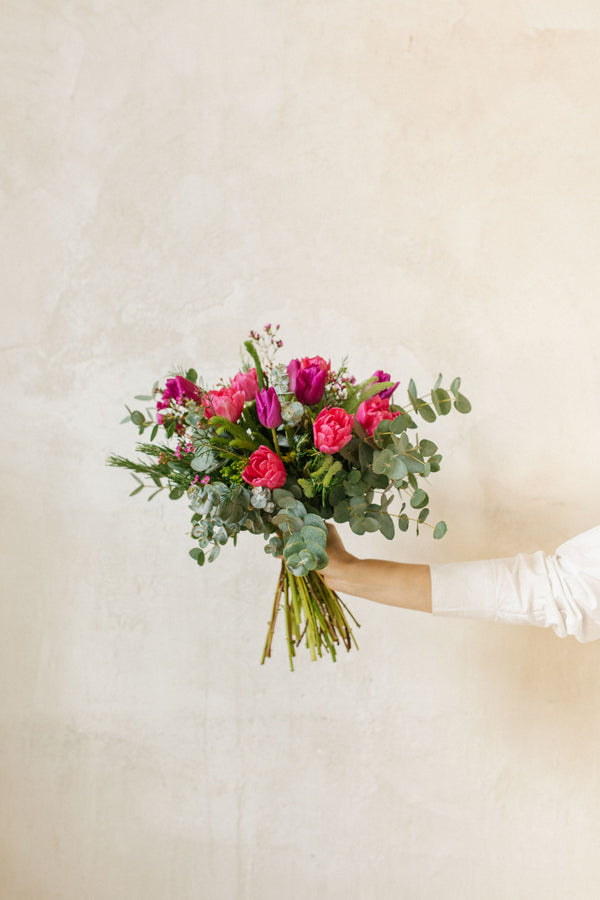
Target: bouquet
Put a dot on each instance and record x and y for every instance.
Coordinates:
(279, 449)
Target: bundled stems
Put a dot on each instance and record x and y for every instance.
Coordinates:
(313, 612)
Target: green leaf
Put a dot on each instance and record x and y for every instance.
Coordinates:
(310, 533)
(316, 521)
(358, 526)
(423, 515)
(358, 506)
(143, 397)
(365, 455)
(386, 526)
(318, 553)
(389, 463)
(401, 442)
(154, 432)
(403, 523)
(341, 511)
(371, 524)
(283, 498)
(379, 482)
(427, 448)
(440, 530)
(137, 490)
(137, 417)
(455, 386)
(176, 493)
(192, 375)
(374, 388)
(413, 461)
(425, 411)
(401, 422)
(441, 401)
(462, 404)
(435, 461)
(286, 523)
(251, 348)
(214, 553)
(438, 382)
(383, 432)
(203, 460)
(198, 554)
(419, 499)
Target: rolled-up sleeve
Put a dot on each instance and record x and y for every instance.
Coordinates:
(559, 590)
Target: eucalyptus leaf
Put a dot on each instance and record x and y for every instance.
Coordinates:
(441, 401)
(461, 404)
(310, 533)
(427, 448)
(386, 526)
(315, 521)
(440, 530)
(419, 499)
(425, 411)
(283, 498)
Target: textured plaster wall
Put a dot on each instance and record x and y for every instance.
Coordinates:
(414, 184)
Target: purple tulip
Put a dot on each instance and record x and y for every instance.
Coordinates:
(380, 375)
(310, 384)
(268, 408)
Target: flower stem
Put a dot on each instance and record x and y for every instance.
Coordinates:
(275, 442)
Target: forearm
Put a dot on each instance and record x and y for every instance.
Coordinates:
(396, 584)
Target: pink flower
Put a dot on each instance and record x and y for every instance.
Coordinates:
(246, 382)
(265, 469)
(297, 365)
(308, 377)
(177, 389)
(268, 408)
(332, 429)
(226, 402)
(371, 412)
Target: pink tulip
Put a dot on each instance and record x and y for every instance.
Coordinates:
(246, 382)
(332, 429)
(226, 402)
(265, 469)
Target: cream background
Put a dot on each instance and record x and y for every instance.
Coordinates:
(414, 184)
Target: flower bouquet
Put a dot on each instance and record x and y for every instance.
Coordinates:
(277, 450)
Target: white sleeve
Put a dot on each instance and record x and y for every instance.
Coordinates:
(559, 590)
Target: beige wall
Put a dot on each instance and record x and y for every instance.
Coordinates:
(414, 184)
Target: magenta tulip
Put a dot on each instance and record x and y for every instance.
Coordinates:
(268, 408)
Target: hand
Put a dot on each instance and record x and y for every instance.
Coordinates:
(339, 559)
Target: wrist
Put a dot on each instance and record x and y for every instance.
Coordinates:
(338, 572)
